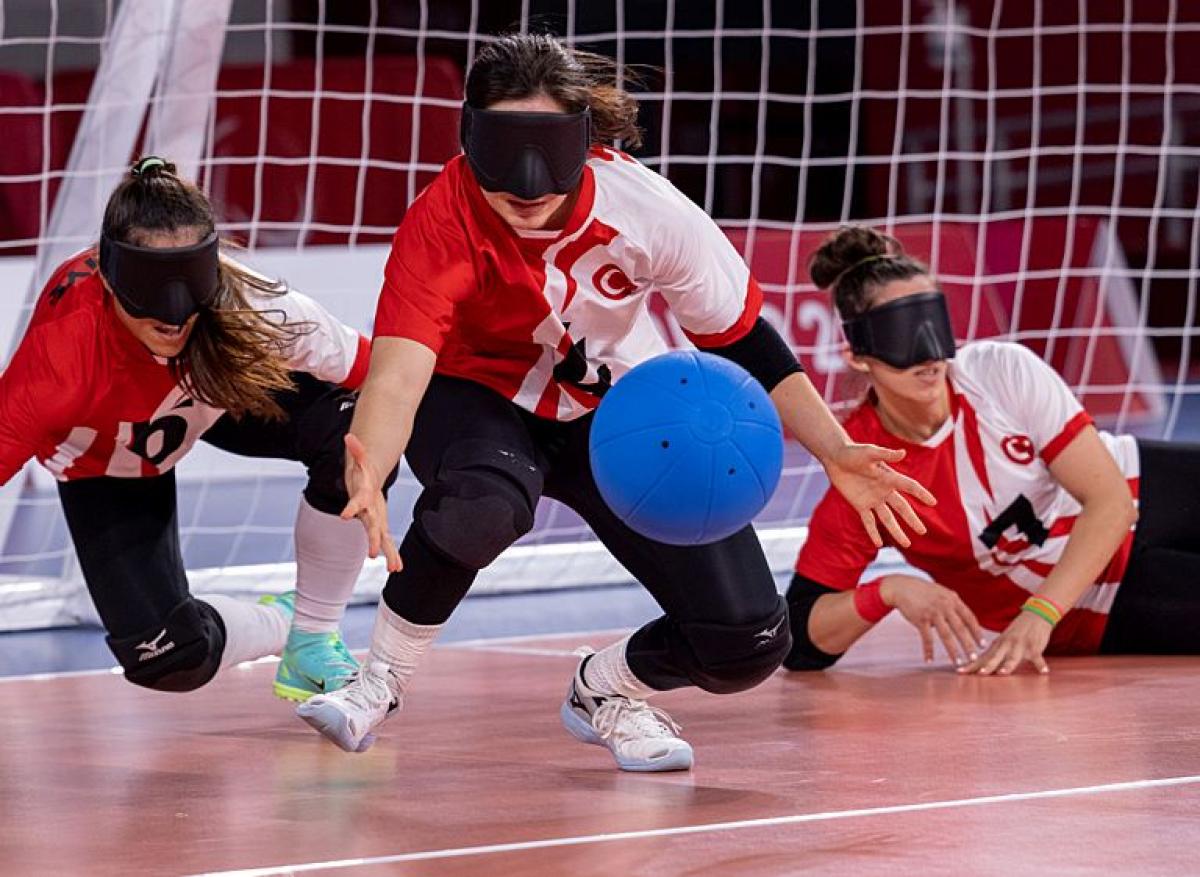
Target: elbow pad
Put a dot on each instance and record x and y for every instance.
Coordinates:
(763, 353)
(804, 655)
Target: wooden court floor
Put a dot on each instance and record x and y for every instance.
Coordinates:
(883, 766)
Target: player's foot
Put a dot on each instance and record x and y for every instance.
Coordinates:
(313, 663)
(349, 715)
(640, 737)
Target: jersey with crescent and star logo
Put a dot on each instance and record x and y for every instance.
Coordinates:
(1002, 519)
(551, 319)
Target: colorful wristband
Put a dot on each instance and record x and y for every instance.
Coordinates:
(868, 603)
(1045, 609)
(1057, 606)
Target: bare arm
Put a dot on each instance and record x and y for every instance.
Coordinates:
(1088, 472)
(859, 472)
(835, 624)
(383, 421)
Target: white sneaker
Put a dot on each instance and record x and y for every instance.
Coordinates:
(641, 737)
(349, 715)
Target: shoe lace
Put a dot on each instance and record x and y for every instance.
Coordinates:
(367, 690)
(633, 718)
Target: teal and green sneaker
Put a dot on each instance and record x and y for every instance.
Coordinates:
(313, 663)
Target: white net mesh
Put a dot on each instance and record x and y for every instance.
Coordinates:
(1041, 156)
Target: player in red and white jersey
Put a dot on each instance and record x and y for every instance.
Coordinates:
(515, 294)
(1034, 533)
(136, 349)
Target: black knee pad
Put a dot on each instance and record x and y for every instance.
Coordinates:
(735, 657)
(480, 502)
(180, 655)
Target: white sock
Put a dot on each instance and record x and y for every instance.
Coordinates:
(329, 556)
(252, 631)
(607, 672)
(400, 644)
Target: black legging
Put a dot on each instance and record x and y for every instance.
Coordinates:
(126, 530)
(705, 589)
(1157, 608)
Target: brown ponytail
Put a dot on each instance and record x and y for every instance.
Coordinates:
(234, 356)
(855, 261)
(516, 66)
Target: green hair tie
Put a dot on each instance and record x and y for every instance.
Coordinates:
(147, 163)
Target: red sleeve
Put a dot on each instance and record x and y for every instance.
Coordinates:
(837, 549)
(429, 270)
(38, 400)
(358, 371)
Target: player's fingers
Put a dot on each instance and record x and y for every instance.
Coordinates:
(967, 644)
(904, 484)
(353, 508)
(1012, 662)
(893, 526)
(394, 563)
(949, 642)
(901, 507)
(999, 654)
(972, 623)
(868, 522)
(926, 642)
(1039, 663)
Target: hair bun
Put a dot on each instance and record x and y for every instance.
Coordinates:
(847, 247)
(151, 166)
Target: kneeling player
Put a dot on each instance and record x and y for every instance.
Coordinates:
(1034, 535)
(136, 349)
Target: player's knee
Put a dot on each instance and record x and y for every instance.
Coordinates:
(735, 657)
(481, 501)
(181, 654)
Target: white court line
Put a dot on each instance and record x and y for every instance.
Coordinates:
(524, 650)
(488, 642)
(796, 819)
(493, 644)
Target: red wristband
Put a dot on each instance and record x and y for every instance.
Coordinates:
(868, 603)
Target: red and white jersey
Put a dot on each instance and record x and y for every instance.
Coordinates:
(549, 320)
(86, 398)
(1002, 519)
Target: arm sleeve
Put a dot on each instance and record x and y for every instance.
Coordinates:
(838, 550)
(1025, 385)
(763, 353)
(706, 283)
(429, 270)
(37, 402)
(801, 596)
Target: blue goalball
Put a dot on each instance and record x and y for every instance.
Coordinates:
(686, 448)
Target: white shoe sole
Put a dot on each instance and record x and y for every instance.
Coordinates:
(333, 725)
(581, 729)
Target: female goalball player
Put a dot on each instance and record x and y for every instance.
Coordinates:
(136, 349)
(515, 294)
(1034, 535)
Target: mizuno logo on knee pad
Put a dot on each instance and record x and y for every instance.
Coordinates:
(767, 634)
(152, 649)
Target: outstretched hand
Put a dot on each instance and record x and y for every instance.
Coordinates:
(862, 475)
(367, 503)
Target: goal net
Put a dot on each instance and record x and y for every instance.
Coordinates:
(1041, 156)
